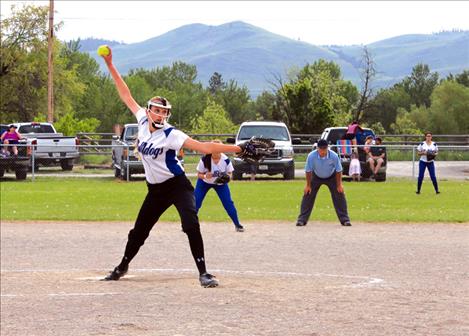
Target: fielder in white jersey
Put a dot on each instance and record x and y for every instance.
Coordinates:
(158, 145)
(209, 169)
(427, 151)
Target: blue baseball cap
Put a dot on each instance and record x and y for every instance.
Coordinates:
(322, 143)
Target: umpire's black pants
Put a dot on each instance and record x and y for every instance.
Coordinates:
(177, 191)
(340, 203)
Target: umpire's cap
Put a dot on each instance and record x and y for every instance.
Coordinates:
(322, 143)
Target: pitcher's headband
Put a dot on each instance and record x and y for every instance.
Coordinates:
(159, 102)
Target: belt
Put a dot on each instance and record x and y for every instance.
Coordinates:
(321, 178)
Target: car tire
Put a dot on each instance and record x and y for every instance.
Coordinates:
(289, 174)
(237, 175)
(117, 172)
(366, 171)
(21, 174)
(36, 168)
(66, 164)
(381, 177)
(124, 174)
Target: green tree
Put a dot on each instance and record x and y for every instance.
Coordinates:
(236, 102)
(462, 78)
(213, 120)
(449, 112)
(70, 125)
(23, 63)
(383, 107)
(24, 68)
(317, 98)
(216, 83)
(177, 83)
(168, 77)
(420, 84)
(264, 106)
(404, 124)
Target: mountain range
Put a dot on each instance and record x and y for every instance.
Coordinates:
(254, 56)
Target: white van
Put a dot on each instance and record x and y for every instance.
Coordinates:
(279, 162)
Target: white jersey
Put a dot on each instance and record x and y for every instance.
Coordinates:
(424, 147)
(224, 165)
(159, 149)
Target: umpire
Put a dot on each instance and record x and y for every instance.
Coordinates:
(323, 167)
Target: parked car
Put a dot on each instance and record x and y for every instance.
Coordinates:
(19, 163)
(51, 147)
(333, 134)
(125, 159)
(281, 161)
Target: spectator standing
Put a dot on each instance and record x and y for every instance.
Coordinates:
(352, 130)
(354, 169)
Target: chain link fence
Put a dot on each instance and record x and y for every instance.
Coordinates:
(25, 161)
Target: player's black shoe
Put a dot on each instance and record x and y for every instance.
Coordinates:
(116, 274)
(346, 223)
(207, 280)
(299, 223)
(240, 228)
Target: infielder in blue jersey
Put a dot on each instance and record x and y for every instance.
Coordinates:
(158, 146)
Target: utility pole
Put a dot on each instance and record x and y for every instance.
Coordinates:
(50, 65)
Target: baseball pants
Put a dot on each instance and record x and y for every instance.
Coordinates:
(338, 199)
(177, 191)
(431, 170)
(223, 192)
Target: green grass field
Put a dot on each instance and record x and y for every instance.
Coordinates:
(112, 200)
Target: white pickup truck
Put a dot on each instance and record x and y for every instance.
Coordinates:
(51, 147)
(281, 161)
(124, 159)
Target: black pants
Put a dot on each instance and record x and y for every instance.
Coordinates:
(177, 191)
(340, 203)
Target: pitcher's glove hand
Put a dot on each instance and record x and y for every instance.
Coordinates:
(431, 155)
(223, 178)
(255, 149)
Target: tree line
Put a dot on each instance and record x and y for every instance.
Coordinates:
(307, 99)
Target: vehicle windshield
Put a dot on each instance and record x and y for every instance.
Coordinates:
(131, 133)
(35, 128)
(279, 133)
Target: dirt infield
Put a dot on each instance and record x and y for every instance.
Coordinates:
(276, 279)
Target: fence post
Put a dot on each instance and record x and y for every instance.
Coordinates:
(127, 164)
(32, 163)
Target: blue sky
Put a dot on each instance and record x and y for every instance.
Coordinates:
(316, 22)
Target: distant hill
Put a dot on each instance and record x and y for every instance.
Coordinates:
(251, 55)
(92, 44)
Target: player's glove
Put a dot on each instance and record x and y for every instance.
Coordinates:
(223, 178)
(255, 149)
(431, 155)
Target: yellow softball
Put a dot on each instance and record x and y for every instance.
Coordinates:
(103, 50)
